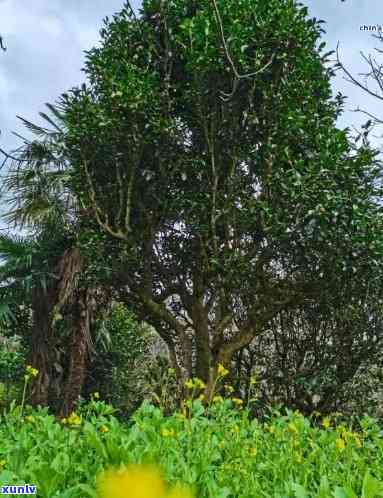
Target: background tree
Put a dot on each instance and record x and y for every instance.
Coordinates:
(42, 202)
(205, 144)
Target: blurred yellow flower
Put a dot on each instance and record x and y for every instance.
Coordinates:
(253, 380)
(201, 397)
(167, 432)
(30, 418)
(74, 419)
(222, 371)
(31, 372)
(326, 423)
(138, 481)
(104, 428)
(2, 463)
(229, 389)
(64, 420)
(96, 395)
(189, 384)
(340, 444)
(292, 428)
(221, 444)
(134, 482)
(253, 452)
(237, 401)
(217, 399)
(199, 383)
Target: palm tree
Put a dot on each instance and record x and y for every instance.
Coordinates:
(42, 202)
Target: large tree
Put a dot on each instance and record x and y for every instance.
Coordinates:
(205, 145)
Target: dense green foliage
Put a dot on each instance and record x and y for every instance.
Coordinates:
(221, 453)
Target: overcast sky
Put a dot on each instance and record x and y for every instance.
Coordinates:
(46, 40)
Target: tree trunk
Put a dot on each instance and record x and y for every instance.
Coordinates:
(78, 354)
(41, 353)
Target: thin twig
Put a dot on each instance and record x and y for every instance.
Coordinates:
(355, 81)
(238, 77)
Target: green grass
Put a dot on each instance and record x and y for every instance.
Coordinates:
(219, 451)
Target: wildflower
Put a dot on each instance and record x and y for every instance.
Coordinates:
(217, 399)
(104, 428)
(200, 384)
(292, 428)
(167, 432)
(271, 429)
(358, 442)
(253, 452)
(298, 458)
(340, 444)
(201, 397)
(253, 380)
(30, 418)
(189, 384)
(222, 371)
(64, 420)
(229, 389)
(235, 428)
(31, 372)
(74, 419)
(237, 401)
(326, 423)
(137, 481)
(96, 395)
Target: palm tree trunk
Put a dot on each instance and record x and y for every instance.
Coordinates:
(40, 356)
(79, 352)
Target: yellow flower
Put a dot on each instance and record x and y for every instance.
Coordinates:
(340, 444)
(222, 371)
(135, 482)
(298, 458)
(199, 383)
(235, 428)
(30, 418)
(189, 384)
(138, 481)
(271, 429)
(2, 463)
(201, 397)
(74, 419)
(31, 372)
(96, 395)
(64, 421)
(237, 401)
(253, 452)
(253, 380)
(167, 432)
(292, 428)
(217, 399)
(326, 422)
(229, 389)
(358, 442)
(104, 428)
